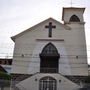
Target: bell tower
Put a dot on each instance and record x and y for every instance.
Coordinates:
(73, 15)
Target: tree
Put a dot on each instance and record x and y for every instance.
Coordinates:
(4, 80)
(87, 84)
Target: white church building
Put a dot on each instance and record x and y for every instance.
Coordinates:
(51, 55)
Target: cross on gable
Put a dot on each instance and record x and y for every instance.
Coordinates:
(50, 27)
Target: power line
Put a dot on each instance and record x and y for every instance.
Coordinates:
(39, 67)
(52, 62)
(20, 55)
(15, 30)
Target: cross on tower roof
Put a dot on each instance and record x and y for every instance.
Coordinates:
(71, 3)
(50, 27)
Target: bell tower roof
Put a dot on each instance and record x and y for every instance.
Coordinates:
(69, 11)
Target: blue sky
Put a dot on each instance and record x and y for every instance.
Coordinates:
(18, 15)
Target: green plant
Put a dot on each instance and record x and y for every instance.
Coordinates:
(87, 80)
(4, 80)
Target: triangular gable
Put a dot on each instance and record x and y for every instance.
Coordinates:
(64, 26)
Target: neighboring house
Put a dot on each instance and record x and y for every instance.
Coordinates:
(5, 61)
(7, 68)
(6, 64)
(2, 69)
(51, 55)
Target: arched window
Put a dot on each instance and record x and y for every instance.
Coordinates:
(49, 59)
(49, 49)
(74, 18)
(47, 83)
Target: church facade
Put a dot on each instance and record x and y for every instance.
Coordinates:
(51, 55)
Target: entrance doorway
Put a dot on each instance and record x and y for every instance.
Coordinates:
(49, 59)
(47, 83)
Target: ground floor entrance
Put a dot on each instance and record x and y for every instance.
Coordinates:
(47, 83)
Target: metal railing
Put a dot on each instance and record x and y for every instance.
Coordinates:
(49, 70)
(11, 85)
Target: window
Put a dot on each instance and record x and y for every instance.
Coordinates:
(74, 18)
(49, 49)
(49, 59)
(47, 83)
